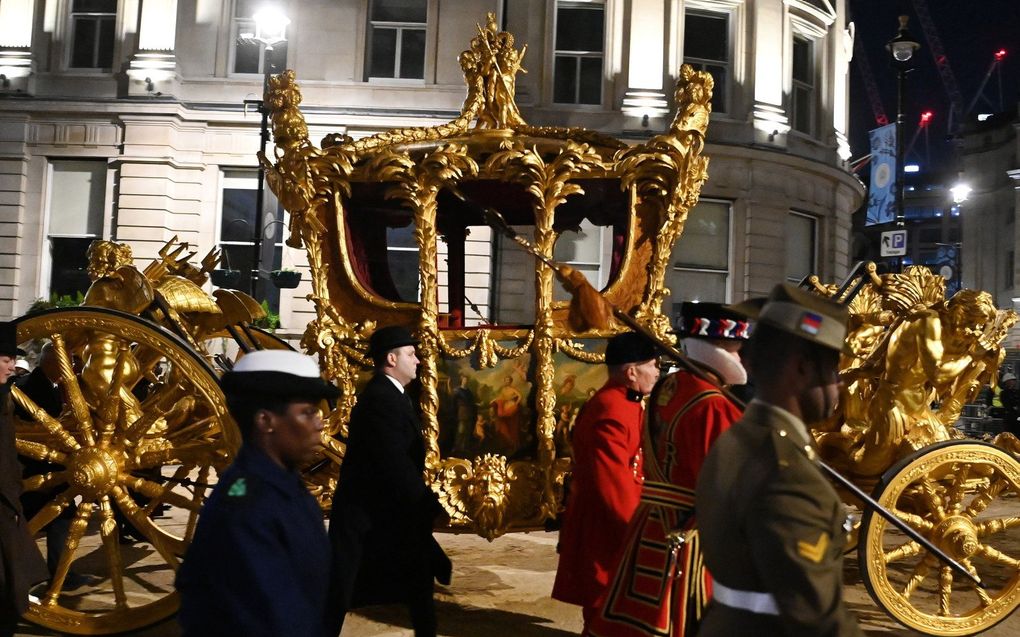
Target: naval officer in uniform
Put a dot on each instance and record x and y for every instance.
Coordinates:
(259, 563)
(771, 525)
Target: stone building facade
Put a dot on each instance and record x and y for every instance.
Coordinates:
(126, 120)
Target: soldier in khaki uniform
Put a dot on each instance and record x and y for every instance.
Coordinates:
(772, 527)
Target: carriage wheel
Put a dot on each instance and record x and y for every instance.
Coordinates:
(961, 496)
(128, 460)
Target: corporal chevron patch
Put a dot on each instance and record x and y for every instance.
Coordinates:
(814, 552)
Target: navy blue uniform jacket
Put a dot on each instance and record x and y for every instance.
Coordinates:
(381, 522)
(259, 563)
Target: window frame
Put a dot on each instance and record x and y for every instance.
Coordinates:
(809, 86)
(578, 55)
(246, 178)
(46, 262)
(725, 10)
(427, 28)
(71, 20)
(681, 267)
(815, 233)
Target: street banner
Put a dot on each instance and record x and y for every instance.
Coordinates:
(882, 195)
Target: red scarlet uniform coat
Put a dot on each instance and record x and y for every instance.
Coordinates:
(604, 492)
(652, 591)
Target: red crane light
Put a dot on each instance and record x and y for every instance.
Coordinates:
(1000, 54)
(926, 117)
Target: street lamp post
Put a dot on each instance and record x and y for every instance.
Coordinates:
(270, 30)
(901, 48)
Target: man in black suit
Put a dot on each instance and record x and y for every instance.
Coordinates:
(21, 565)
(380, 527)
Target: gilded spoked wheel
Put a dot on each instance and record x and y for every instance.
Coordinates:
(963, 497)
(121, 436)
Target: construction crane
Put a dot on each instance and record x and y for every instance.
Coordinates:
(869, 82)
(996, 65)
(938, 53)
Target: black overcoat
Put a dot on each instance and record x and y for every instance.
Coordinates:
(380, 526)
(21, 564)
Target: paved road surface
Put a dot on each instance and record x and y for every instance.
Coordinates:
(502, 589)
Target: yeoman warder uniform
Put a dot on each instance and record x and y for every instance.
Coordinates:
(658, 588)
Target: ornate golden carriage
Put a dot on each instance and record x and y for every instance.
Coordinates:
(393, 235)
(502, 372)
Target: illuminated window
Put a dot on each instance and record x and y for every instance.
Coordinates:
(93, 33)
(802, 100)
(577, 61)
(396, 39)
(707, 48)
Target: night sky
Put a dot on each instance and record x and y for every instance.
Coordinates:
(971, 31)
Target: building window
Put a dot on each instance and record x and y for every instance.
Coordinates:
(236, 231)
(801, 242)
(707, 48)
(802, 101)
(76, 202)
(93, 33)
(587, 249)
(700, 262)
(577, 61)
(396, 39)
(249, 55)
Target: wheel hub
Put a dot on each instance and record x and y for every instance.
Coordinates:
(93, 471)
(957, 537)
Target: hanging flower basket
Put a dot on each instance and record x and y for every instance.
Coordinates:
(285, 279)
(231, 279)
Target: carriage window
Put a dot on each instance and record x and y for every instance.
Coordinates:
(588, 249)
(402, 256)
(483, 277)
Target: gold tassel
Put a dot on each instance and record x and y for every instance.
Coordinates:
(588, 310)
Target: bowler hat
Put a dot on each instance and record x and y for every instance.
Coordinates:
(390, 337)
(629, 347)
(807, 315)
(712, 321)
(9, 340)
(279, 373)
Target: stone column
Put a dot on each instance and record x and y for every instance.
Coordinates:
(16, 63)
(645, 100)
(152, 68)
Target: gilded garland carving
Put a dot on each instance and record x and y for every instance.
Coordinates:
(488, 348)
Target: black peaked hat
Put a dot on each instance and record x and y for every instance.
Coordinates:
(279, 373)
(9, 340)
(712, 321)
(391, 337)
(629, 347)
